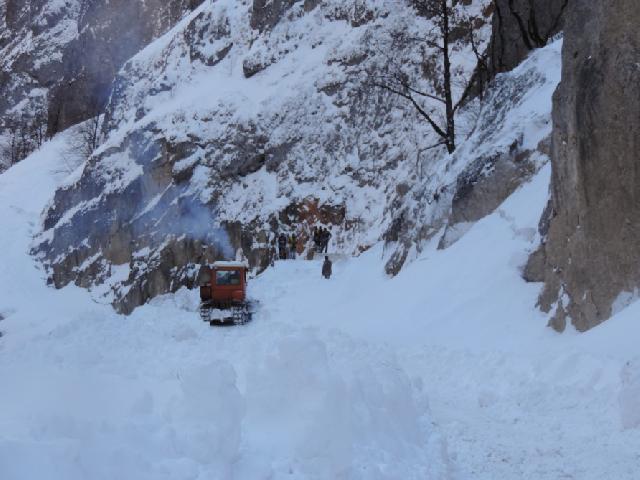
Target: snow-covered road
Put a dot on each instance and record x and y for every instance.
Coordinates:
(445, 372)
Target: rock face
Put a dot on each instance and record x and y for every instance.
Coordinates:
(109, 33)
(266, 13)
(58, 60)
(520, 26)
(509, 143)
(33, 36)
(488, 182)
(592, 249)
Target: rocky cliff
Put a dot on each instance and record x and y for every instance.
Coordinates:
(109, 33)
(59, 58)
(521, 26)
(33, 36)
(590, 260)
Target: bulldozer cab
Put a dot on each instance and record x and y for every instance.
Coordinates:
(223, 288)
(225, 283)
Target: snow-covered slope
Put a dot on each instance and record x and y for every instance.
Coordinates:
(58, 59)
(33, 37)
(445, 372)
(221, 137)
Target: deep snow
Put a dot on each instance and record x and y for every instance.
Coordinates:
(447, 371)
(89, 394)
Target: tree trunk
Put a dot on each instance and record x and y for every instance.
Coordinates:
(450, 112)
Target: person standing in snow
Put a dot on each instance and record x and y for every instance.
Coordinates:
(272, 256)
(321, 238)
(293, 245)
(326, 267)
(326, 236)
(282, 246)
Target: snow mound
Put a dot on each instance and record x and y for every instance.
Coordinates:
(303, 408)
(630, 394)
(330, 414)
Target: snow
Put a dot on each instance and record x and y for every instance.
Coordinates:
(629, 395)
(221, 264)
(90, 394)
(447, 371)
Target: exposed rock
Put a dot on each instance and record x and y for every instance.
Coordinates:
(265, 14)
(592, 249)
(520, 26)
(485, 184)
(502, 152)
(208, 39)
(110, 32)
(255, 64)
(534, 270)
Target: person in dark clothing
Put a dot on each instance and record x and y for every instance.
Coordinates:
(272, 256)
(282, 246)
(320, 239)
(326, 268)
(293, 246)
(326, 236)
(316, 239)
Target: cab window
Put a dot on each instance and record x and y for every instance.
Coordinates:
(228, 277)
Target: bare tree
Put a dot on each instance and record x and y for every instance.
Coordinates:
(90, 135)
(83, 140)
(38, 128)
(447, 22)
(86, 137)
(22, 135)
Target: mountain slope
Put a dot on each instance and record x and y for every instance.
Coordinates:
(221, 137)
(58, 60)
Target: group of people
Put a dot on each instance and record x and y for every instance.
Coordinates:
(288, 247)
(321, 237)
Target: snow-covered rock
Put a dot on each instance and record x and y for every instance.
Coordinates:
(507, 142)
(58, 59)
(220, 135)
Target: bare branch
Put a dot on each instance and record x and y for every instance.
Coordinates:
(431, 147)
(417, 106)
